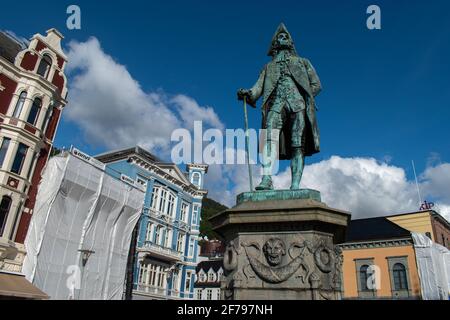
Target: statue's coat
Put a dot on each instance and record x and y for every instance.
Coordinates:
(309, 84)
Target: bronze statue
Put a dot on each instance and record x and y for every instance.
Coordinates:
(288, 85)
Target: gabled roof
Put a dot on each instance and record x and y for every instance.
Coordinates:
(174, 171)
(378, 228)
(208, 264)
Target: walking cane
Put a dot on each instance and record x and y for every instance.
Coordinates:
(247, 145)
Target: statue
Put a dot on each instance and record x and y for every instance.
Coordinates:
(288, 85)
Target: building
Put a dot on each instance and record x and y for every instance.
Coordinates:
(209, 271)
(378, 249)
(208, 278)
(166, 249)
(33, 90)
(429, 222)
(79, 238)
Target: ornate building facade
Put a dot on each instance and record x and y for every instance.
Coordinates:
(166, 249)
(33, 90)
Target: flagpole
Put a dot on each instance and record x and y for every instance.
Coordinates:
(247, 145)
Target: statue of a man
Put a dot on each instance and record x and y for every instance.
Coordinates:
(288, 85)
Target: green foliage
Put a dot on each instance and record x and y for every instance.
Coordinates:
(210, 207)
(55, 151)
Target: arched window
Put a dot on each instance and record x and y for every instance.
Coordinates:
(400, 279)
(44, 66)
(5, 205)
(19, 104)
(196, 179)
(34, 112)
(363, 277)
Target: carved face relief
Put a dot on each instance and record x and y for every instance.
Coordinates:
(274, 250)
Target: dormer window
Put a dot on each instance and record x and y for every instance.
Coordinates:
(44, 66)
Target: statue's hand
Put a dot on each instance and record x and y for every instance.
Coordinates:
(244, 93)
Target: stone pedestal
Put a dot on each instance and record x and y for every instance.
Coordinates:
(281, 245)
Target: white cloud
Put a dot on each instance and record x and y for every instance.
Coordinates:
(369, 188)
(112, 109)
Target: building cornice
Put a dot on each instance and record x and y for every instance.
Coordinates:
(376, 244)
(156, 170)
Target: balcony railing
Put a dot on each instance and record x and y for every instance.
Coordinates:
(161, 252)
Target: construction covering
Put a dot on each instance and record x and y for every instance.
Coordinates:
(80, 232)
(433, 261)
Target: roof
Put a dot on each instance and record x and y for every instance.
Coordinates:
(378, 228)
(16, 286)
(208, 264)
(10, 46)
(121, 154)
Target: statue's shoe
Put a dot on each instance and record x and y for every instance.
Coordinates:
(266, 184)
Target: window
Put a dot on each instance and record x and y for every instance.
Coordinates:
(218, 294)
(162, 203)
(34, 112)
(5, 205)
(364, 277)
(175, 282)
(166, 241)
(400, 279)
(211, 277)
(152, 274)
(199, 294)
(48, 116)
(170, 204)
(202, 277)
(196, 179)
(19, 104)
(44, 66)
(187, 286)
(142, 273)
(155, 198)
(33, 163)
(209, 294)
(19, 159)
(184, 211)
(148, 236)
(191, 247)
(158, 230)
(4, 149)
(195, 214)
(180, 242)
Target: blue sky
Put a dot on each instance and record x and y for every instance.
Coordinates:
(385, 92)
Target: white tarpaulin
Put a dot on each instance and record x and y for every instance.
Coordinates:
(433, 261)
(81, 212)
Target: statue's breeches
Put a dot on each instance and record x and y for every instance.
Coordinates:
(291, 124)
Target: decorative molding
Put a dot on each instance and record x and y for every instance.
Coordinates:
(376, 244)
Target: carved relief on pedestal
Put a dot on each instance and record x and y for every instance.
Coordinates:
(273, 270)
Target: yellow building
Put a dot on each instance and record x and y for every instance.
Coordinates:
(428, 222)
(379, 261)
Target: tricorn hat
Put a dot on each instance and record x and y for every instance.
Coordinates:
(281, 29)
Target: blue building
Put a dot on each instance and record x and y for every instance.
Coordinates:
(167, 244)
